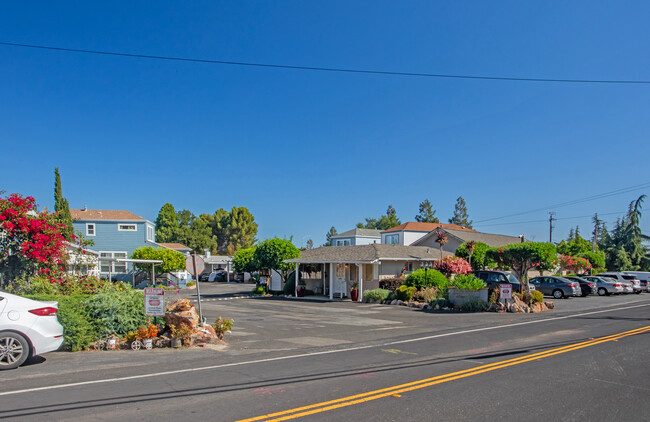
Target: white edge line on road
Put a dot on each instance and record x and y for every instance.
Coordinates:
(324, 352)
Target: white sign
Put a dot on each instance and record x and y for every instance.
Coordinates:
(154, 301)
(189, 265)
(506, 291)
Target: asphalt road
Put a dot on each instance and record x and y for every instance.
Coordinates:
(290, 359)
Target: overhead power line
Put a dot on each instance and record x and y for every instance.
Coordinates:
(545, 220)
(329, 69)
(573, 202)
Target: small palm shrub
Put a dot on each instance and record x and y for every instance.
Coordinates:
(376, 294)
(473, 305)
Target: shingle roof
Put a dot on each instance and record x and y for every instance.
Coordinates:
(367, 254)
(78, 214)
(489, 239)
(360, 232)
(416, 226)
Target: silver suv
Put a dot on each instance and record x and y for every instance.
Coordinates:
(625, 278)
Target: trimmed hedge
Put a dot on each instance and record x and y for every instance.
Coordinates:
(434, 278)
(376, 294)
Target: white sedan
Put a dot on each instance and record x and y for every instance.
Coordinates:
(27, 328)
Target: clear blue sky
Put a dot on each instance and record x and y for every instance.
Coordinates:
(306, 150)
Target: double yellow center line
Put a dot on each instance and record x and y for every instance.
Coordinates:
(396, 390)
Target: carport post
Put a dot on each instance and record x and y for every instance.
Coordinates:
(153, 274)
(295, 287)
(331, 283)
(360, 282)
(228, 272)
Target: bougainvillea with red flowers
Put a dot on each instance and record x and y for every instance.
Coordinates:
(574, 264)
(452, 265)
(30, 242)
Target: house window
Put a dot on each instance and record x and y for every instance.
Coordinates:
(343, 242)
(90, 229)
(127, 227)
(392, 239)
(112, 266)
(340, 270)
(150, 233)
(409, 266)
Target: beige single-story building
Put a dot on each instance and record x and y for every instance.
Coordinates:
(333, 270)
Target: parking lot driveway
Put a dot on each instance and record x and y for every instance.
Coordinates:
(277, 324)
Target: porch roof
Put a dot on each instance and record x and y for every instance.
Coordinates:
(367, 254)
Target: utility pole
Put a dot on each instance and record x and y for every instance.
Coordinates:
(596, 226)
(551, 219)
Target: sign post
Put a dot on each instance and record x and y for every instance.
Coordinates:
(506, 291)
(154, 302)
(195, 266)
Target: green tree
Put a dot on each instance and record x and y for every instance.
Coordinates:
(575, 246)
(167, 224)
(244, 261)
(272, 253)
(426, 213)
(172, 260)
(243, 228)
(328, 236)
(62, 208)
(596, 259)
(521, 257)
(384, 222)
(221, 229)
(479, 258)
(461, 217)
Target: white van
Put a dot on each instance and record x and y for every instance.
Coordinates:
(644, 277)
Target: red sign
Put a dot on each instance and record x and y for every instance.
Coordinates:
(154, 299)
(506, 291)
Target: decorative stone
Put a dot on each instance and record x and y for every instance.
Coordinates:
(204, 335)
(393, 302)
(181, 312)
(399, 302)
(549, 304)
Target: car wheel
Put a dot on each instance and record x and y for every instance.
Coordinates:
(14, 350)
(602, 291)
(558, 294)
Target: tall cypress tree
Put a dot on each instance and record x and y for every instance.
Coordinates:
(426, 213)
(62, 207)
(461, 217)
(167, 224)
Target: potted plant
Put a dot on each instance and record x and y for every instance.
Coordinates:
(147, 334)
(354, 292)
(180, 334)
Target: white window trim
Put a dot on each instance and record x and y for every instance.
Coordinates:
(94, 229)
(112, 263)
(119, 229)
(150, 229)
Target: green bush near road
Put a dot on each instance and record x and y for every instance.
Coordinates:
(473, 305)
(467, 282)
(376, 294)
(117, 312)
(405, 293)
(434, 278)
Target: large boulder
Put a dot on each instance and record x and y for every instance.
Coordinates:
(204, 335)
(182, 311)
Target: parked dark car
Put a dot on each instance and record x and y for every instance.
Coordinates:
(558, 287)
(587, 287)
(494, 278)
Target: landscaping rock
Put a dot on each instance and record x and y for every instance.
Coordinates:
(393, 302)
(549, 304)
(182, 311)
(399, 302)
(204, 335)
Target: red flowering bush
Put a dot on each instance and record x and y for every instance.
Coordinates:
(574, 264)
(31, 242)
(452, 265)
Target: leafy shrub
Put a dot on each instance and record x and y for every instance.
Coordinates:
(392, 296)
(467, 282)
(425, 295)
(493, 295)
(479, 260)
(289, 287)
(117, 312)
(405, 293)
(79, 330)
(434, 278)
(473, 305)
(441, 302)
(258, 290)
(67, 285)
(376, 294)
(536, 296)
(390, 283)
(222, 326)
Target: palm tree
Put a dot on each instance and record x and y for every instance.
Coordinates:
(471, 247)
(441, 239)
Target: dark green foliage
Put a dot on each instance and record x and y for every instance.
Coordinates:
(461, 217)
(426, 213)
(62, 208)
(473, 305)
(384, 222)
(434, 278)
(376, 294)
(236, 227)
(167, 224)
(289, 287)
(271, 253)
(624, 247)
(117, 313)
(575, 246)
(467, 282)
(390, 283)
(328, 237)
(521, 257)
(479, 259)
(172, 260)
(244, 261)
(597, 259)
(79, 329)
(405, 293)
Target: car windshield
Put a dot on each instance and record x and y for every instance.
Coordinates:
(512, 279)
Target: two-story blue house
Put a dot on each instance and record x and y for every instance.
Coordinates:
(356, 237)
(116, 233)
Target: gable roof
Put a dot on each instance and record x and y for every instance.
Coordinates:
(175, 246)
(86, 214)
(492, 240)
(367, 254)
(415, 226)
(359, 232)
